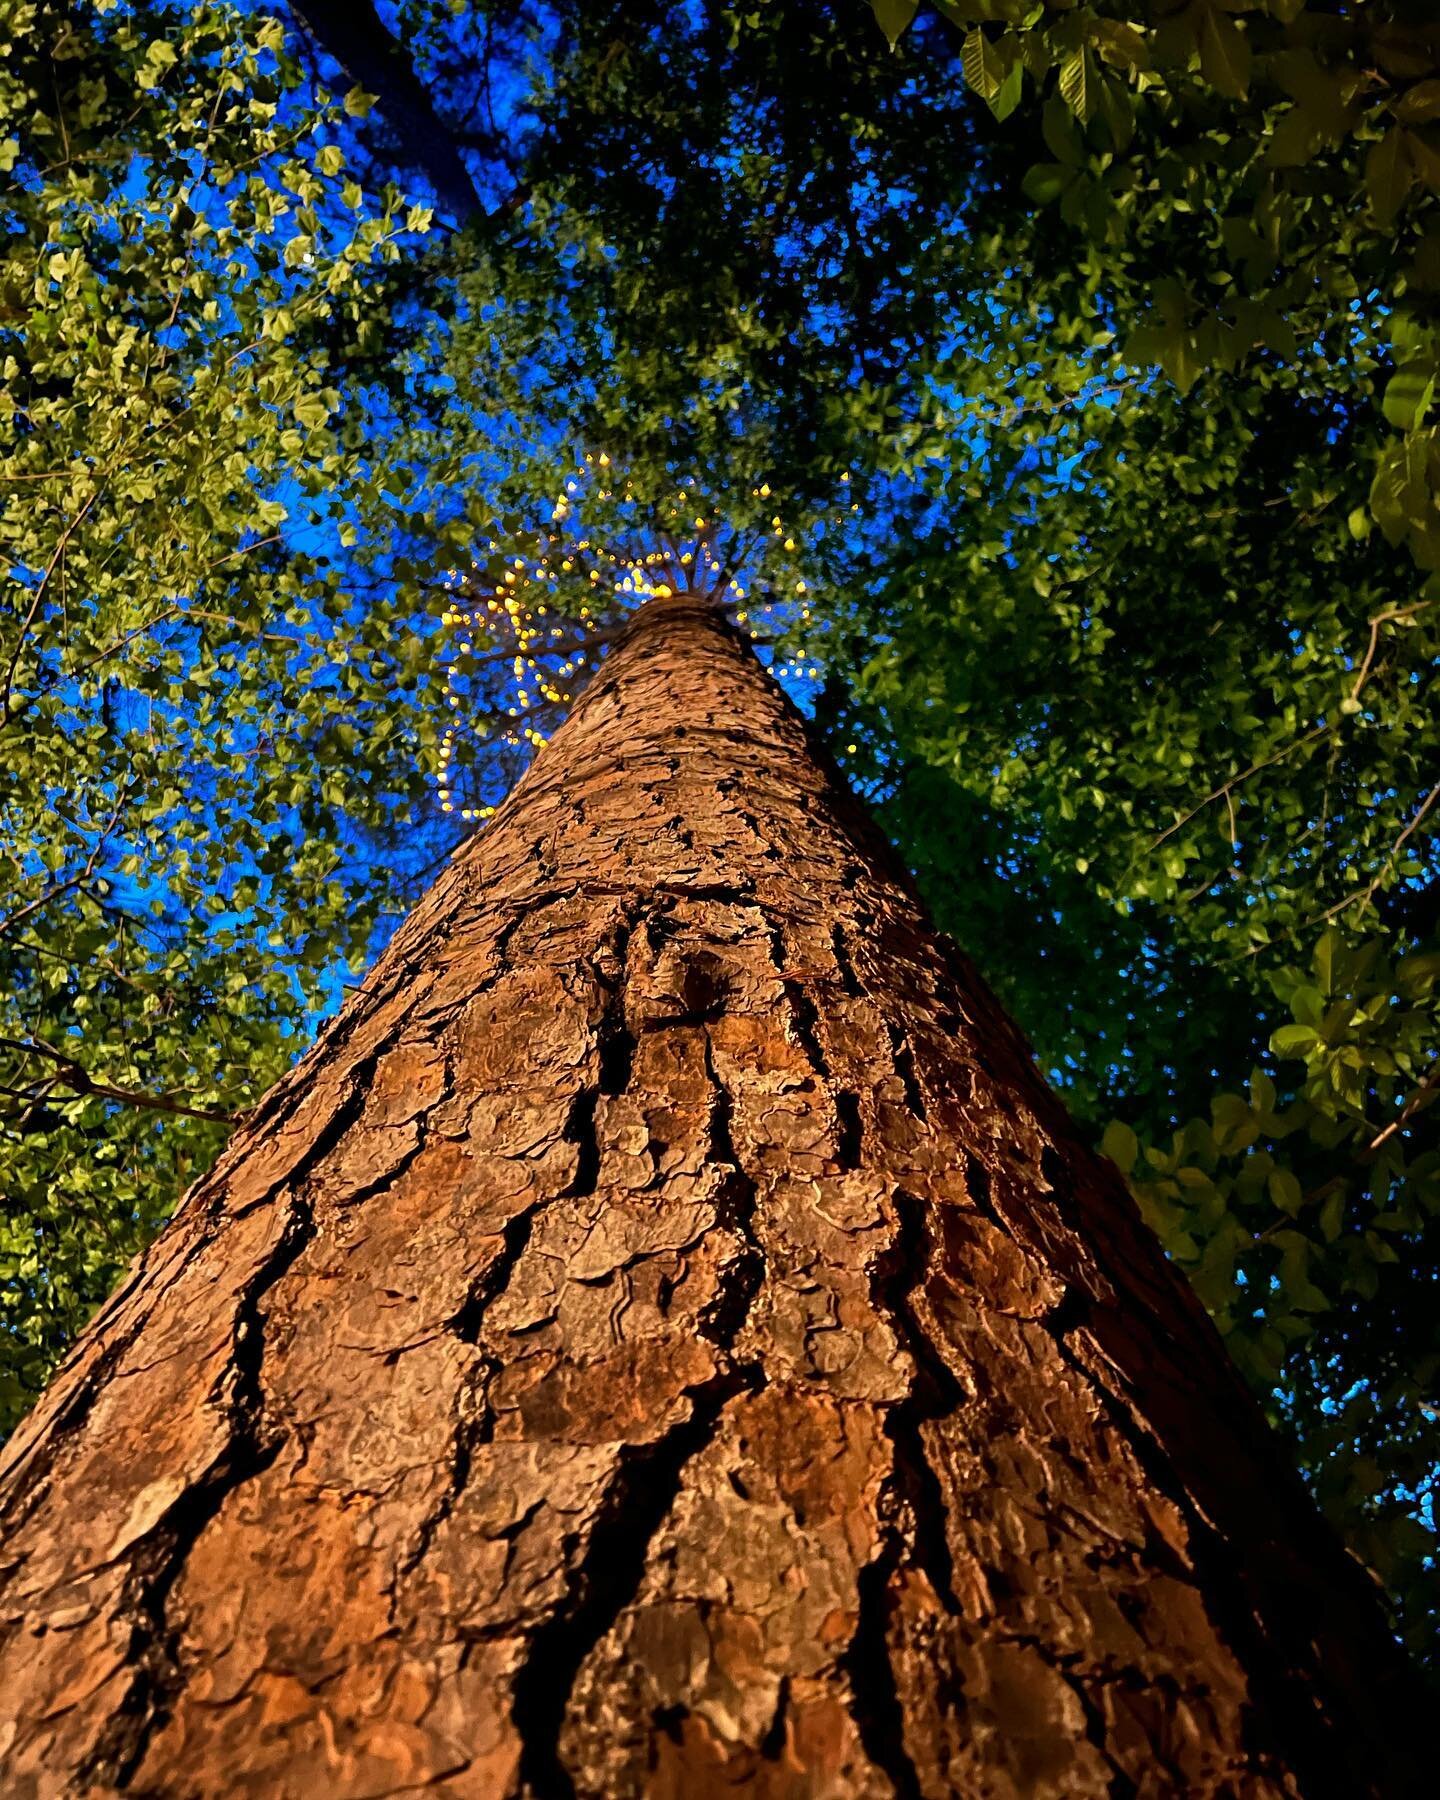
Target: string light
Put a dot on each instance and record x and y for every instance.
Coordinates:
(588, 582)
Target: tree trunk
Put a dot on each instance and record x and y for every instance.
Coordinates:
(664, 1339)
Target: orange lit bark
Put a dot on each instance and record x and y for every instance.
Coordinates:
(664, 1339)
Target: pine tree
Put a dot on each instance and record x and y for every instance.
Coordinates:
(664, 1339)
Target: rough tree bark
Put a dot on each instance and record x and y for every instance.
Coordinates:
(664, 1339)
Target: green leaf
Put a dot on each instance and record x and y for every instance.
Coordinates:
(1119, 43)
(1294, 1040)
(1419, 105)
(1307, 1004)
(894, 17)
(1224, 54)
(1057, 127)
(1047, 181)
(1293, 142)
(1010, 92)
(159, 57)
(312, 412)
(1389, 174)
(1285, 1191)
(1078, 85)
(1329, 961)
(1426, 159)
(1121, 1145)
(983, 65)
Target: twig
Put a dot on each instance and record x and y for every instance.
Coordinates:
(74, 1076)
(1224, 791)
(29, 620)
(1382, 618)
(1364, 897)
(22, 913)
(1406, 1113)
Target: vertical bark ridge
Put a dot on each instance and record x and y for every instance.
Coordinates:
(665, 1340)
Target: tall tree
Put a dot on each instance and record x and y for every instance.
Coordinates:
(665, 1336)
(1153, 823)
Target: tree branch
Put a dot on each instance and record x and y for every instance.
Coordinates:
(79, 879)
(73, 1076)
(352, 32)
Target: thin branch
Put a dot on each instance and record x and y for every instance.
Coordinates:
(1364, 897)
(53, 892)
(180, 611)
(1406, 1113)
(73, 1075)
(29, 620)
(1235, 781)
(1381, 618)
(1224, 791)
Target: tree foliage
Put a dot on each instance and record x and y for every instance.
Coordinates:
(1194, 645)
(201, 726)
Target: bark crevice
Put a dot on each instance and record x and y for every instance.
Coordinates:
(607, 1579)
(899, 1273)
(158, 1560)
(740, 1277)
(876, 1690)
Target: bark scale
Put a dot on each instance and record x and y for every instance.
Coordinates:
(664, 1339)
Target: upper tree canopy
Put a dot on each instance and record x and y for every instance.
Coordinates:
(1114, 324)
